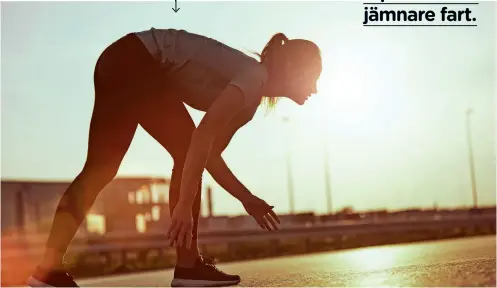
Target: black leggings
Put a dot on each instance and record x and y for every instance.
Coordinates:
(130, 89)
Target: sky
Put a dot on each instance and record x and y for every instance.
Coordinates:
(390, 108)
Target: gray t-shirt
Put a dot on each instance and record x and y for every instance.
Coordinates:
(203, 67)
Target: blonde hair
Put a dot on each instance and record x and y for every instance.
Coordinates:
(269, 102)
(277, 40)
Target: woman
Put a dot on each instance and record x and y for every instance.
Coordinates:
(145, 78)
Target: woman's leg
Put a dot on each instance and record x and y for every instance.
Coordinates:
(167, 121)
(120, 73)
(112, 129)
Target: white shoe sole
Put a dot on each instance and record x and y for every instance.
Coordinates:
(201, 283)
(32, 282)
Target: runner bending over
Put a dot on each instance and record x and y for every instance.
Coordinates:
(145, 78)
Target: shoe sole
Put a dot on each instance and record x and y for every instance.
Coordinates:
(32, 282)
(201, 283)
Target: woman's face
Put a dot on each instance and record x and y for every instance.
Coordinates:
(299, 83)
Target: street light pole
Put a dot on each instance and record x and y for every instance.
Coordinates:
(290, 185)
(471, 159)
(327, 176)
(291, 193)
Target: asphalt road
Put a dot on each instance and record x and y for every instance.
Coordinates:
(460, 262)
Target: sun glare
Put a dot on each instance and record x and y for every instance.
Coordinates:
(347, 98)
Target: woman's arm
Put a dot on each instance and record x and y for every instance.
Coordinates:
(217, 167)
(219, 116)
(222, 174)
(244, 88)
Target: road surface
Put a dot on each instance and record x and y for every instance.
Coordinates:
(459, 262)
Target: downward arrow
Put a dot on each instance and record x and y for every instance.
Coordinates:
(175, 9)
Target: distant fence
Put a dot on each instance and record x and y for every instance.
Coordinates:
(113, 243)
(111, 254)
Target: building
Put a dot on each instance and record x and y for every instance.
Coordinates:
(124, 205)
(141, 206)
(28, 206)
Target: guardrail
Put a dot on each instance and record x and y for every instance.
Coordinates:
(104, 244)
(115, 254)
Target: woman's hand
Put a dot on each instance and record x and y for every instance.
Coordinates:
(180, 231)
(261, 211)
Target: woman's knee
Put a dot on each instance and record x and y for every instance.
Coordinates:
(99, 173)
(82, 192)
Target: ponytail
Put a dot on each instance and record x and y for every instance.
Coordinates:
(277, 40)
